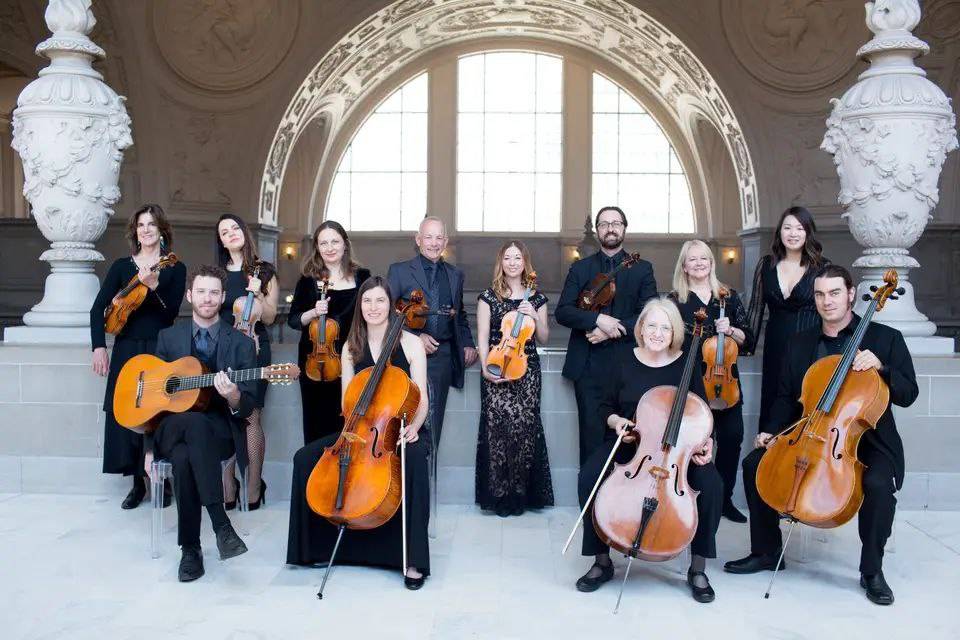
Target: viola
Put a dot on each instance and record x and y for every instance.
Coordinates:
(810, 472)
(603, 287)
(247, 310)
(508, 360)
(323, 361)
(131, 297)
(719, 355)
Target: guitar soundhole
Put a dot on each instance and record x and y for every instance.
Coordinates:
(172, 385)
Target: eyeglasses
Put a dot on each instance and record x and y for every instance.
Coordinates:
(610, 225)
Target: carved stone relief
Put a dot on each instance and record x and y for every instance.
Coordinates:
(810, 178)
(224, 45)
(199, 170)
(941, 22)
(794, 45)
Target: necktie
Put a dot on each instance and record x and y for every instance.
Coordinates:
(202, 343)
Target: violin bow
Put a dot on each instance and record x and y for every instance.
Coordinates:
(403, 490)
(576, 525)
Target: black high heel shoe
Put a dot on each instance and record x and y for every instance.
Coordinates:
(230, 506)
(253, 506)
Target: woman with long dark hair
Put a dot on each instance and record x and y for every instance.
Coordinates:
(150, 236)
(783, 284)
(236, 251)
(331, 259)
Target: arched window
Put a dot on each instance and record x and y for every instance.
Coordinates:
(381, 182)
(634, 165)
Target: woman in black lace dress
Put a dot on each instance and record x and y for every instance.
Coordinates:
(513, 471)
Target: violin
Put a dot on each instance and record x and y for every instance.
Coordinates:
(247, 310)
(508, 359)
(357, 483)
(810, 472)
(603, 288)
(129, 299)
(719, 355)
(323, 361)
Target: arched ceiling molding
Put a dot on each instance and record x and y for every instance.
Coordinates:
(407, 29)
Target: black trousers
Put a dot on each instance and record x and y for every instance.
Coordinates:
(875, 519)
(702, 478)
(588, 390)
(728, 436)
(439, 375)
(194, 443)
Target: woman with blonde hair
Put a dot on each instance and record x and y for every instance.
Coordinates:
(695, 286)
(513, 469)
(657, 360)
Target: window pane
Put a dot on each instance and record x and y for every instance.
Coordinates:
(376, 146)
(549, 84)
(548, 134)
(605, 95)
(470, 84)
(644, 198)
(508, 142)
(508, 202)
(470, 142)
(414, 142)
(643, 147)
(604, 191)
(413, 204)
(414, 95)
(338, 204)
(470, 201)
(547, 205)
(375, 201)
(510, 82)
(681, 209)
(605, 156)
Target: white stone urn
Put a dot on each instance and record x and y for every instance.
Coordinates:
(70, 130)
(889, 135)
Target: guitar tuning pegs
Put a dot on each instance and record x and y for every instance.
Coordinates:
(867, 297)
(901, 291)
(873, 288)
(894, 297)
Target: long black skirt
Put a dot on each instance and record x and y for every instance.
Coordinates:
(321, 407)
(122, 448)
(311, 538)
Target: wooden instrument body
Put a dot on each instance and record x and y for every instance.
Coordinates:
(130, 298)
(722, 389)
(811, 472)
(247, 325)
(509, 356)
(658, 472)
(372, 488)
(323, 362)
(598, 294)
(156, 379)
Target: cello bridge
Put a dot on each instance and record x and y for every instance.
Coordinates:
(814, 436)
(352, 437)
(659, 473)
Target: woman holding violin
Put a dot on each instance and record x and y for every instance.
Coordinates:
(513, 469)
(251, 303)
(695, 286)
(150, 237)
(657, 360)
(311, 538)
(327, 288)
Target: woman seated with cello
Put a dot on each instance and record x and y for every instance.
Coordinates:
(657, 360)
(311, 538)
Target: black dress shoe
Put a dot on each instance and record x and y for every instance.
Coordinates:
(136, 495)
(733, 514)
(700, 594)
(755, 562)
(587, 584)
(229, 543)
(413, 583)
(253, 506)
(191, 564)
(878, 591)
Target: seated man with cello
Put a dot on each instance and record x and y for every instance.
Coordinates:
(880, 450)
(656, 361)
(371, 348)
(196, 441)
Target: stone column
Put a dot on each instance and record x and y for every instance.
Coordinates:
(70, 130)
(889, 135)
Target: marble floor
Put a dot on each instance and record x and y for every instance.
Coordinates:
(79, 567)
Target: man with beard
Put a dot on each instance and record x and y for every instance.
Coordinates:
(880, 449)
(597, 337)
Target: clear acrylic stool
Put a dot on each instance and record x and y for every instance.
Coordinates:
(812, 535)
(683, 561)
(160, 470)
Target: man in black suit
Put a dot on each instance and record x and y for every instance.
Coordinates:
(595, 337)
(880, 450)
(196, 441)
(447, 339)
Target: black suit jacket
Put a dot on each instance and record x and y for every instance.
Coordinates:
(635, 286)
(405, 277)
(888, 345)
(234, 351)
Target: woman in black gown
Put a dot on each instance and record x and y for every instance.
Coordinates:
(513, 469)
(657, 360)
(150, 236)
(236, 251)
(783, 283)
(695, 286)
(311, 538)
(331, 258)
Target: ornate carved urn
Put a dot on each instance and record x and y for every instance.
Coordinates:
(889, 135)
(70, 130)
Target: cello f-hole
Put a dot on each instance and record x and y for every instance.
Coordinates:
(836, 442)
(639, 467)
(373, 447)
(676, 481)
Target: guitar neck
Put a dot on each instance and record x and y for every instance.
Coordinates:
(206, 380)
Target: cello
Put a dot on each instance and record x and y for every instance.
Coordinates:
(508, 360)
(602, 288)
(719, 355)
(247, 310)
(358, 481)
(323, 361)
(129, 299)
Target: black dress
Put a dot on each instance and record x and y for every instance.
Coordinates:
(727, 423)
(237, 288)
(787, 317)
(311, 538)
(123, 448)
(513, 469)
(629, 379)
(321, 400)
